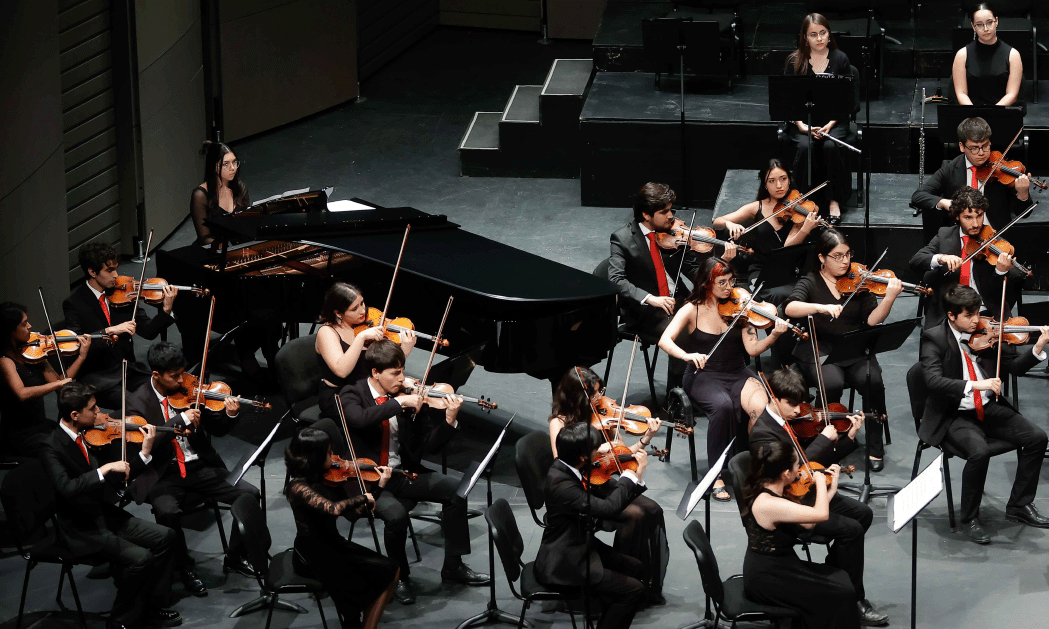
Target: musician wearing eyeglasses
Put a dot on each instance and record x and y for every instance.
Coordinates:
(988, 71)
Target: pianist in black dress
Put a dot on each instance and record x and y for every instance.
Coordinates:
(988, 71)
(340, 350)
(223, 191)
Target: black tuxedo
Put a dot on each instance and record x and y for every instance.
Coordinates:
(988, 283)
(942, 368)
(820, 450)
(89, 523)
(945, 182)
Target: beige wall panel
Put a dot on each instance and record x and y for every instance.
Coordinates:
(160, 24)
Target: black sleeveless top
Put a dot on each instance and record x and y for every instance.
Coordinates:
(987, 71)
(19, 419)
(729, 357)
(326, 393)
(766, 238)
(763, 541)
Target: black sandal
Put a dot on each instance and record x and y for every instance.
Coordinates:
(718, 492)
(834, 220)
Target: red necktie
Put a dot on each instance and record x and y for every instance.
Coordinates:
(80, 442)
(384, 454)
(657, 260)
(105, 308)
(180, 456)
(977, 395)
(966, 268)
(975, 184)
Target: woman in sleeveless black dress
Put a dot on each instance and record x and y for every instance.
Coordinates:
(358, 580)
(773, 573)
(222, 192)
(720, 384)
(988, 71)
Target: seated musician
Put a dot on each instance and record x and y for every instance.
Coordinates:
(817, 294)
(186, 467)
(773, 574)
(223, 191)
(616, 577)
(24, 426)
(988, 71)
(358, 579)
(640, 528)
(340, 349)
(722, 385)
(960, 411)
(940, 261)
(88, 311)
(818, 53)
(848, 520)
(387, 426)
(89, 522)
(934, 196)
(775, 184)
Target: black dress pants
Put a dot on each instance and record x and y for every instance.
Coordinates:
(836, 377)
(847, 525)
(828, 163)
(621, 585)
(143, 554)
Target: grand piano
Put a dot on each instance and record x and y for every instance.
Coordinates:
(514, 312)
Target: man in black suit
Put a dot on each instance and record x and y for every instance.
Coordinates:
(940, 261)
(90, 524)
(849, 519)
(387, 427)
(960, 411)
(934, 196)
(185, 467)
(562, 559)
(87, 312)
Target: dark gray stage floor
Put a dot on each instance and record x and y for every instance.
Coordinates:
(399, 149)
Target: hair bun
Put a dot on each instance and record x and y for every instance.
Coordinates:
(205, 146)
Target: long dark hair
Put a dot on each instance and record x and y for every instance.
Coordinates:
(306, 453)
(571, 401)
(767, 462)
(800, 57)
(763, 191)
(703, 281)
(338, 298)
(213, 153)
(10, 317)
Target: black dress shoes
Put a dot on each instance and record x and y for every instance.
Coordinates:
(239, 565)
(165, 618)
(464, 575)
(1027, 515)
(870, 617)
(976, 533)
(877, 465)
(404, 593)
(192, 583)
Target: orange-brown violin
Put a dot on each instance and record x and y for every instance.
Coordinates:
(702, 240)
(214, 395)
(343, 470)
(1007, 172)
(393, 327)
(64, 342)
(991, 252)
(152, 291)
(876, 282)
(107, 430)
(760, 314)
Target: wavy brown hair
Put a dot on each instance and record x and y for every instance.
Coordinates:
(800, 57)
(703, 281)
(571, 400)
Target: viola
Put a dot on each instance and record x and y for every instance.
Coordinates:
(1007, 172)
(811, 421)
(108, 430)
(151, 291)
(633, 419)
(441, 391)
(702, 239)
(618, 459)
(991, 252)
(214, 395)
(796, 211)
(393, 327)
(876, 282)
(64, 343)
(759, 314)
(799, 490)
(1016, 331)
(343, 470)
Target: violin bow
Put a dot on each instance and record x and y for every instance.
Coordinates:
(1001, 332)
(593, 410)
(684, 251)
(433, 352)
(626, 386)
(997, 234)
(50, 329)
(123, 411)
(863, 278)
(739, 314)
(204, 358)
(786, 206)
(141, 276)
(820, 386)
(1001, 159)
(786, 425)
(356, 466)
(393, 280)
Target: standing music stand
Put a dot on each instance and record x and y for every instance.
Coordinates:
(867, 343)
(1005, 121)
(904, 508)
(804, 97)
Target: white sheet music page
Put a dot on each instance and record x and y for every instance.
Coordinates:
(708, 480)
(917, 495)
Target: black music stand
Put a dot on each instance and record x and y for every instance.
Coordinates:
(802, 97)
(867, 343)
(904, 507)
(1005, 121)
(785, 265)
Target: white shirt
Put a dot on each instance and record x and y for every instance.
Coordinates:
(670, 280)
(775, 415)
(968, 403)
(972, 276)
(627, 474)
(183, 442)
(395, 441)
(73, 436)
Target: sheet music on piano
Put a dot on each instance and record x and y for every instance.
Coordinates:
(290, 193)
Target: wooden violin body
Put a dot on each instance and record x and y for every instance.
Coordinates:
(633, 419)
(1017, 331)
(876, 282)
(797, 212)
(213, 395)
(759, 314)
(618, 459)
(702, 239)
(1007, 171)
(436, 394)
(991, 252)
(108, 430)
(811, 421)
(343, 470)
(393, 327)
(64, 343)
(801, 490)
(127, 290)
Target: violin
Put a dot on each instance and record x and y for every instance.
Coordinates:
(441, 391)
(991, 252)
(108, 430)
(876, 282)
(759, 314)
(1016, 331)
(804, 483)
(64, 343)
(152, 291)
(1006, 173)
(214, 395)
(702, 239)
(633, 419)
(796, 211)
(619, 459)
(393, 327)
(811, 421)
(342, 470)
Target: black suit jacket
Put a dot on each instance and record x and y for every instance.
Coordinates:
(562, 555)
(84, 315)
(143, 402)
(821, 450)
(426, 432)
(988, 282)
(631, 268)
(953, 175)
(83, 503)
(942, 364)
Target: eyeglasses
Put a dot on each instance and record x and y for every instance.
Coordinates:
(985, 25)
(841, 257)
(725, 283)
(819, 35)
(983, 148)
(231, 165)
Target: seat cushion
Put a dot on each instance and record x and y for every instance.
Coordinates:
(309, 415)
(530, 587)
(283, 578)
(737, 604)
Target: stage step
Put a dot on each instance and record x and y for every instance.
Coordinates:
(479, 154)
(519, 125)
(564, 91)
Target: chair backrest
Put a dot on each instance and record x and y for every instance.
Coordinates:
(706, 561)
(737, 469)
(29, 502)
(506, 537)
(298, 369)
(248, 518)
(916, 391)
(533, 458)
